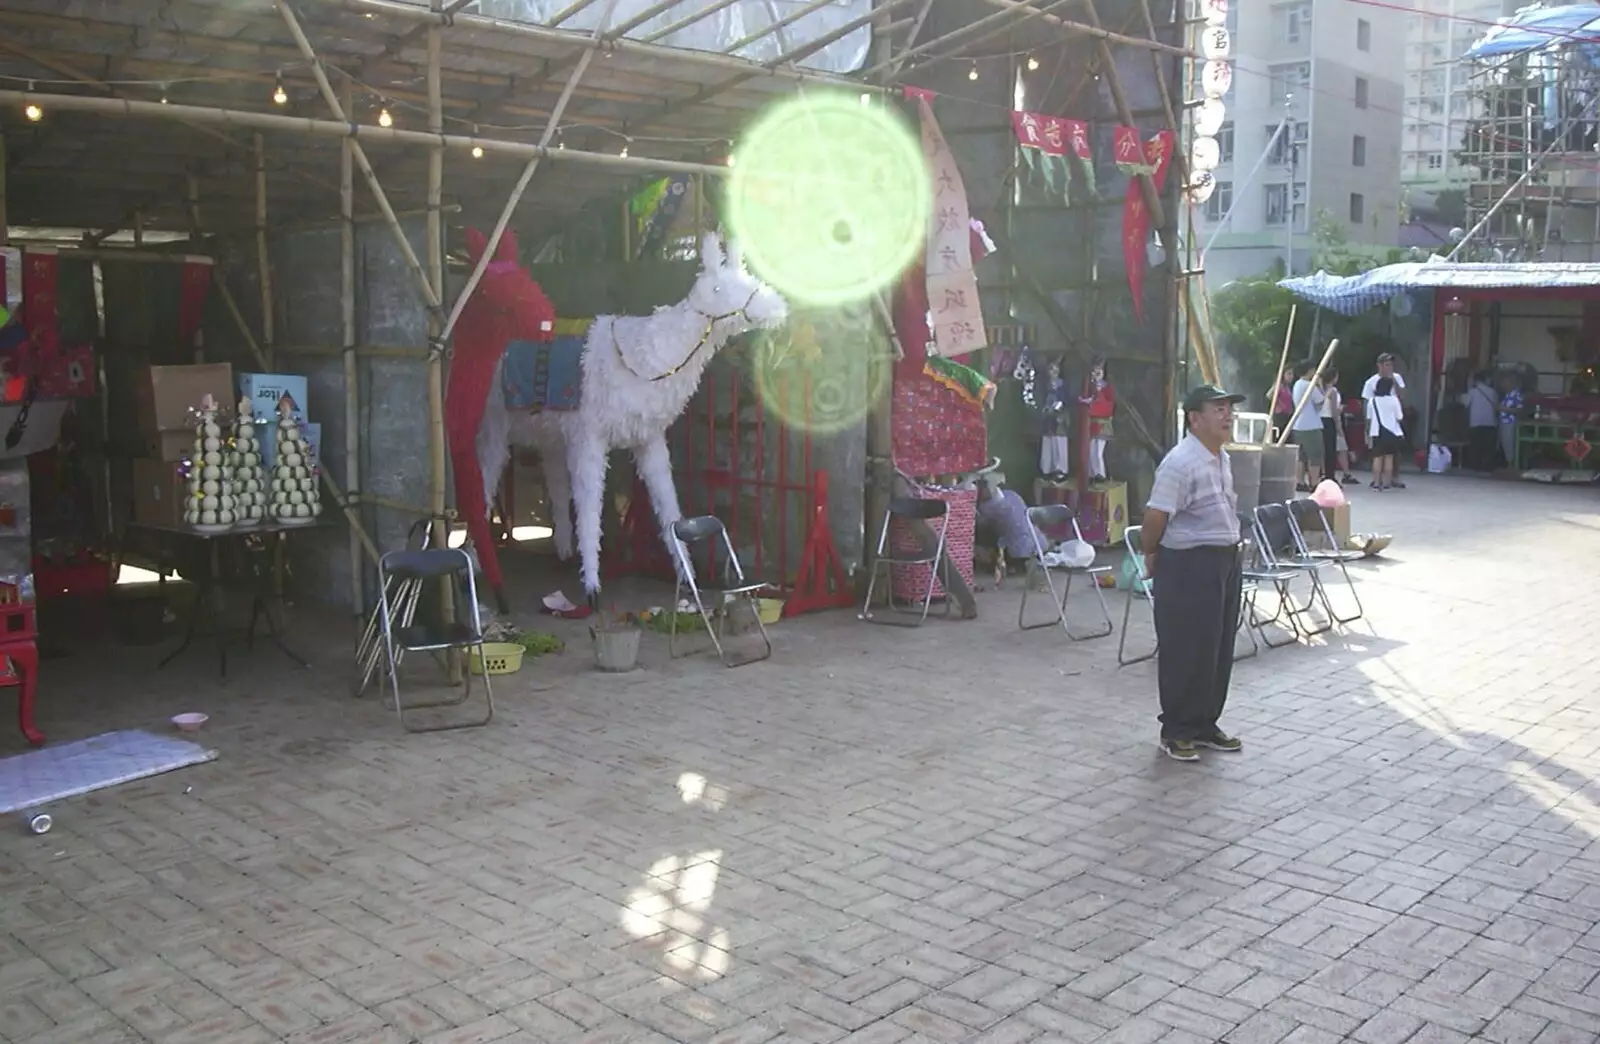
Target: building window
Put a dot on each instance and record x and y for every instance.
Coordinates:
(1435, 161)
(1221, 201)
(1361, 92)
(1225, 142)
(1277, 203)
(1293, 78)
(1358, 151)
(1358, 208)
(1283, 145)
(1293, 22)
(1363, 35)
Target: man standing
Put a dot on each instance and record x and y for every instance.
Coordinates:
(1370, 390)
(1191, 549)
(1308, 430)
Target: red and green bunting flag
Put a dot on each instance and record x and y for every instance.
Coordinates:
(1153, 157)
(1049, 144)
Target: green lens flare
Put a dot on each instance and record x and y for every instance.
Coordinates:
(818, 372)
(830, 198)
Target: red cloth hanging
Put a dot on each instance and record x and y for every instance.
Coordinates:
(506, 306)
(193, 286)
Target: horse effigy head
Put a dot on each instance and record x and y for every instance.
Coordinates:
(728, 292)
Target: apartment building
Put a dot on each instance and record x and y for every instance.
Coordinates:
(1334, 70)
(1440, 93)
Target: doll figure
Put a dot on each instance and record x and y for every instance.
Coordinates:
(1099, 399)
(1054, 458)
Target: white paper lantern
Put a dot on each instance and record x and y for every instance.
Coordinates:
(1201, 185)
(1204, 154)
(302, 511)
(210, 471)
(292, 459)
(1216, 78)
(213, 458)
(1209, 116)
(1216, 43)
(1216, 12)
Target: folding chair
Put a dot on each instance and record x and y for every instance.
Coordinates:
(1057, 516)
(409, 571)
(706, 529)
(1280, 553)
(1255, 574)
(913, 510)
(1306, 517)
(1131, 538)
(403, 606)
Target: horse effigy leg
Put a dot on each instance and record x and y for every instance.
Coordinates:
(586, 463)
(558, 484)
(654, 461)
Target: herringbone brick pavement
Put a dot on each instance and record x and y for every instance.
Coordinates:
(962, 833)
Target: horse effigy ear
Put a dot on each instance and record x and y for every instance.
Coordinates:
(735, 254)
(711, 251)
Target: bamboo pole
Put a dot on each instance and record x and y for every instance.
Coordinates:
(192, 201)
(1333, 346)
(1283, 360)
(5, 236)
(1004, 21)
(424, 284)
(362, 351)
(434, 241)
(1101, 34)
(352, 377)
(263, 258)
(339, 129)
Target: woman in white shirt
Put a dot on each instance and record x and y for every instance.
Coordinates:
(1335, 451)
(1385, 431)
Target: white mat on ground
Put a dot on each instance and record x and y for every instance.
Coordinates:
(34, 779)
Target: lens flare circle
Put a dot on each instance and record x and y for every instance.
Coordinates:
(818, 375)
(830, 199)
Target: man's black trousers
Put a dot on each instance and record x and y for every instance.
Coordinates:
(1197, 594)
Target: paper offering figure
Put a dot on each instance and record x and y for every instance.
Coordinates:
(209, 506)
(1099, 400)
(1054, 447)
(296, 500)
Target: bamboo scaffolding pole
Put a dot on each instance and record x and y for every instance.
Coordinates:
(263, 258)
(352, 372)
(192, 199)
(429, 295)
(1099, 33)
(331, 129)
(1002, 21)
(1152, 198)
(144, 257)
(775, 27)
(434, 242)
(364, 351)
(1288, 429)
(1283, 360)
(688, 20)
(911, 39)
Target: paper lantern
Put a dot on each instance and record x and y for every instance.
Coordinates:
(1216, 12)
(1216, 78)
(1201, 185)
(1216, 43)
(1205, 154)
(1208, 117)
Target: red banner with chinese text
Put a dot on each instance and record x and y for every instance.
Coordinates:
(1155, 159)
(1048, 146)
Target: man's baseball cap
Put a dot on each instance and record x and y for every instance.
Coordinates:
(1198, 397)
(1386, 357)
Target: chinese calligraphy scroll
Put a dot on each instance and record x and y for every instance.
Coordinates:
(1048, 145)
(1154, 159)
(957, 318)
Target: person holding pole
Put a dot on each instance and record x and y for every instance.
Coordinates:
(1192, 554)
(1307, 426)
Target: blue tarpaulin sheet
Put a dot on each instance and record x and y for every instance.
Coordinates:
(1546, 27)
(1351, 295)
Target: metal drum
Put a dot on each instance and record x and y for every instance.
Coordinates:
(1246, 461)
(1280, 466)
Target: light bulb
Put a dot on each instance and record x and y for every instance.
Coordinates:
(384, 119)
(163, 95)
(730, 159)
(866, 99)
(33, 112)
(279, 95)
(477, 152)
(972, 73)
(1033, 63)
(624, 152)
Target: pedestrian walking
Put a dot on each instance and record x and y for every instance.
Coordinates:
(1308, 431)
(1191, 552)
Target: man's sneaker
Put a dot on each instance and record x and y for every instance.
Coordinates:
(1220, 740)
(1179, 750)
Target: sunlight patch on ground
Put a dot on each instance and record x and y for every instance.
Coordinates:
(670, 908)
(1572, 805)
(696, 790)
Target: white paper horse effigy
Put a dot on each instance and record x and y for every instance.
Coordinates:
(636, 376)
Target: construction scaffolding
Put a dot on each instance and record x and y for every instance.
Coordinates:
(1530, 143)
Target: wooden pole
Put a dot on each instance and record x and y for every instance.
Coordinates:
(352, 378)
(263, 259)
(1283, 359)
(4, 234)
(192, 205)
(437, 529)
(1333, 346)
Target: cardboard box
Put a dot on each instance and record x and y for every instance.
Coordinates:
(1339, 521)
(1103, 515)
(158, 491)
(265, 389)
(165, 395)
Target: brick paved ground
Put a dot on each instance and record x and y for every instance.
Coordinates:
(958, 834)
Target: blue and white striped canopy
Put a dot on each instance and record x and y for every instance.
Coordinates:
(1352, 295)
(1540, 28)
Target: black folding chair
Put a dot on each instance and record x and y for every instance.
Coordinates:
(1257, 575)
(410, 571)
(1280, 553)
(715, 603)
(914, 511)
(1307, 520)
(1142, 586)
(1056, 517)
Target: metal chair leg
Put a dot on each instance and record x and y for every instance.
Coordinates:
(1246, 602)
(1283, 615)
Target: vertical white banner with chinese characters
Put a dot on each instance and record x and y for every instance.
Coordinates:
(955, 316)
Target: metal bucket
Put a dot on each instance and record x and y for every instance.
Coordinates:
(1280, 468)
(1245, 459)
(616, 651)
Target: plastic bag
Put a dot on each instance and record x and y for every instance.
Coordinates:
(1329, 494)
(1439, 459)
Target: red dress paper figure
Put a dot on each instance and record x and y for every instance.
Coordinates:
(1099, 400)
(506, 306)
